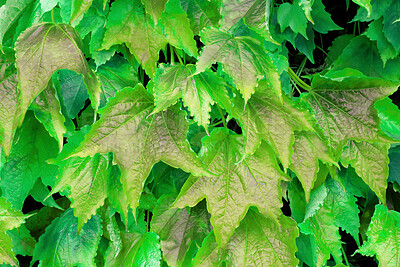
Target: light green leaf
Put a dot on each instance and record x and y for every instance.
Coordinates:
(258, 240)
(383, 235)
(115, 75)
(308, 6)
(39, 192)
(128, 23)
(308, 149)
(197, 91)
(92, 21)
(61, 245)
(265, 117)
(47, 110)
(201, 14)
(365, 4)
(154, 8)
(73, 91)
(137, 250)
(78, 8)
(179, 230)
(375, 33)
(9, 102)
(243, 58)
(9, 13)
(27, 162)
(138, 140)
(292, 15)
(336, 105)
(253, 181)
(177, 28)
(87, 180)
(9, 219)
(45, 48)
(370, 160)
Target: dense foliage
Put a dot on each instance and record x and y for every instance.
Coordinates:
(199, 133)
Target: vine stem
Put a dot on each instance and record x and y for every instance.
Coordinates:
(223, 117)
(344, 256)
(177, 55)
(298, 81)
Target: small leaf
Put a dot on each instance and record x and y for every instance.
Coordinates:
(138, 140)
(78, 8)
(201, 14)
(22, 241)
(243, 58)
(322, 19)
(365, 4)
(44, 48)
(254, 181)
(370, 160)
(154, 8)
(383, 235)
(291, 15)
(71, 248)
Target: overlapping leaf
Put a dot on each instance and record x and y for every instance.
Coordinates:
(257, 241)
(243, 58)
(44, 48)
(128, 23)
(254, 181)
(138, 140)
(201, 14)
(197, 91)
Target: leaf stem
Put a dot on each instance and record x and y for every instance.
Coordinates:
(179, 58)
(297, 80)
(223, 117)
(171, 54)
(344, 256)
(52, 16)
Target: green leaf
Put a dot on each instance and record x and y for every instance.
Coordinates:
(154, 8)
(177, 28)
(383, 235)
(61, 245)
(22, 241)
(243, 58)
(336, 105)
(137, 250)
(47, 110)
(308, 149)
(370, 160)
(128, 23)
(391, 25)
(78, 8)
(322, 19)
(9, 104)
(45, 48)
(115, 75)
(265, 117)
(27, 162)
(9, 219)
(179, 229)
(39, 192)
(292, 15)
(9, 14)
(73, 91)
(87, 180)
(308, 6)
(253, 181)
(138, 140)
(258, 240)
(375, 33)
(197, 91)
(201, 14)
(365, 4)
(389, 114)
(92, 21)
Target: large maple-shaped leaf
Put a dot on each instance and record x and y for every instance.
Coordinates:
(344, 107)
(47, 110)
(61, 245)
(128, 23)
(243, 58)
(9, 101)
(308, 149)
(138, 140)
(27, 162)
(137, 250)
(255, 13)
(201, 14)
(179, 230)
(370, 160)
(254, 181)
(87, 179)
(383, 237)
(266, 117)
(9, 219)
(44, 48)
(177, 28)
(258, 241)
(197, 91)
